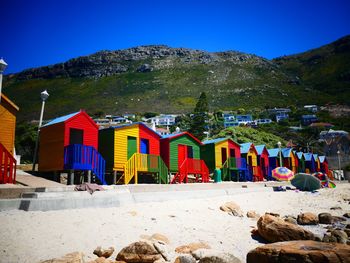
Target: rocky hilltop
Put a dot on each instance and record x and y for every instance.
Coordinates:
(169, 80)
(108, 63)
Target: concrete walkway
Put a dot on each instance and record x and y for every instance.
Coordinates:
(27, 179)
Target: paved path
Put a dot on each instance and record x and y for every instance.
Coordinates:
(34, 181)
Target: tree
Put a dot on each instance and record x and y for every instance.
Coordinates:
(200, 117)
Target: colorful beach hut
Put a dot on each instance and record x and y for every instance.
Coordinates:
(289, 159)
(132, 154)
(310, 166)
(181, 153)
(263, 162)
(8, 113)
(249, 152)
(301, 162)
(274, 160)
(225, 154)
(69, 143)
(323, 164)
(317, 162)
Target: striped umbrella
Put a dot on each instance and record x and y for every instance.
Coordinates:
(282, 174)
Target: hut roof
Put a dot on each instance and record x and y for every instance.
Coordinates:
(133, 124)
(260, 148)
(308, 156)
(322, 158)
(273, 152)
(286, 152)
(300, 155)
(61, 119)
(175, 135)
(5, 98)
(245, 147)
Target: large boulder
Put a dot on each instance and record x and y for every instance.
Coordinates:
(300, 251)
(232, 208)
(275, 229)
(307, 219)
(139, 252)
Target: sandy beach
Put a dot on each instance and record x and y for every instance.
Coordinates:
(36, 236)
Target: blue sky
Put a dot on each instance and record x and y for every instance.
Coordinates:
(43, 32)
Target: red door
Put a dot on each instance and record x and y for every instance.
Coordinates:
(182, 154)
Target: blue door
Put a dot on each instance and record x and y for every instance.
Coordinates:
(144, 146)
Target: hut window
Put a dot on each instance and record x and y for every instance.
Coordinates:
(76, 136)
(144, 145)
(189, 152)
(232, 153)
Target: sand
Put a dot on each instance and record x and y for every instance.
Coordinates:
(35, 236)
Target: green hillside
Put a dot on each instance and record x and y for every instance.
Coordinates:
(326, 69)
(169, 80)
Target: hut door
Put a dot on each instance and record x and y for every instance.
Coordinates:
(250, 160)
(132, 146)
(182, 154)
(144, 146)
(263, 166)
(223, 155)
(76, 136)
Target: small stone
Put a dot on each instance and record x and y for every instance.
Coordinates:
(336, 208)
(307, 219)
(185, 259)
(232, 207)
(188, 249)
(272, 214)
(106, 253)
(291, 220)
(220, 258)
(253, 214)
(340, 235)
(347, 215)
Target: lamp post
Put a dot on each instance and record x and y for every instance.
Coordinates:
(3, 66)
(44, 95)
(280, 152)
(339, 166)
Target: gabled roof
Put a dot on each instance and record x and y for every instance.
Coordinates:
(260, 148)
(286, 152)
(215, 140)
(315, 156)
(245, 147)
(61, 119)
(176, 135)
(133, 124)
(308, 156)
(300, 155)
(273, 152)
(322, 158)
(5, 98)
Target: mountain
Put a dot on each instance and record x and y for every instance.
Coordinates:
(326, 69)
(169, 80)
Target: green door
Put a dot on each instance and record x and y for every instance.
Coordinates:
(132, 146)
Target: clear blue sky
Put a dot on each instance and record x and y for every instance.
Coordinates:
(37, 33)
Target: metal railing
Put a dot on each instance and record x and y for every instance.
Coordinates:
(7, 166)
(82, 157)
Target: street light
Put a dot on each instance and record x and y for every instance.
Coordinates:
(3, 66)
(339, 166)
(44, 95)
(280, 152)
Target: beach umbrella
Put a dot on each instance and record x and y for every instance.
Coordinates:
(306, 182)
(282, 174)
(328, 184)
